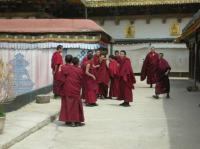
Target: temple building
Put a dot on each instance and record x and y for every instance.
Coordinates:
(27, 46)
(135, 25)
(191, 36)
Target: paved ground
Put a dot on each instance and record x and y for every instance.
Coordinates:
(25, 121)
(148, 124)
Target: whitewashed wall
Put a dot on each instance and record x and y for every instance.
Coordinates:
(155, 29)
(176, 54)
(30, 69)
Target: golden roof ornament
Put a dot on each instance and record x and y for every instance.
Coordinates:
(118, 3)
(130, 31)
(175, 29)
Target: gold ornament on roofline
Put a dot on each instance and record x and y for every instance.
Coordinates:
(130, 31)
(175, 29)
(117, 3)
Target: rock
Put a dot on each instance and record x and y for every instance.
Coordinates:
(42, 99)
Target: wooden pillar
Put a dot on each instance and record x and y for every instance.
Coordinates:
(86, 13)
(111, 48)
(195, 59)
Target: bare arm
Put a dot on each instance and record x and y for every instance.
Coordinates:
(88, 73)
(167, 72)
(56, 69)
(95, 66)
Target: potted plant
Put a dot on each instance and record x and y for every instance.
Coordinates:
(5, 90)
(2, 118)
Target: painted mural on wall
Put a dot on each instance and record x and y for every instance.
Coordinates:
(22, 81)
(82, 54)
(30, 69)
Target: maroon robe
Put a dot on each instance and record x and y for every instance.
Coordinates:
(95, 70)
(70, 91)
(91, 86)
(56, 60)
(118, 59)
(149, 67)
(127, 80)
(84, 61)
(114, 76)
(96, 62)
(83, 66)
(103, 78)
(162, 83)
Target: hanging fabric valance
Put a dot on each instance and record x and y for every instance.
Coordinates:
(49, 45)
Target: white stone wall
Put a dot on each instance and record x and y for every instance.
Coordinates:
(176, 54)
(155, 29)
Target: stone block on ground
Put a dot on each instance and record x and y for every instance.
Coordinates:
(41, 99)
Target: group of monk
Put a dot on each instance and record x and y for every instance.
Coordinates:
(156, 69)
(100, 77)
(101, 73)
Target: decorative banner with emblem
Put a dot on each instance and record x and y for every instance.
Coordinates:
(175, 29)
(130, 31)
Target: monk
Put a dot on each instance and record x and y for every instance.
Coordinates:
(149, 67)
(103, 77)
(114, 77)
(117, 56)
(71, 80)
(85, 58)
(117, 53)
(162, 83)
(96, 58)
(91, 83)
(83, 66)
(56, 63)
(126, 80)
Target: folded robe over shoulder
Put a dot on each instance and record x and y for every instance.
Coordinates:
(114, 75)
(149, 67)
(127, 80)
(71, 78)
(56, 60)
(162, 84)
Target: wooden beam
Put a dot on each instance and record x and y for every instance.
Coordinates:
(134, 17)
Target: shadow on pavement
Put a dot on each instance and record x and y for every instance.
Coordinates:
(183, 116)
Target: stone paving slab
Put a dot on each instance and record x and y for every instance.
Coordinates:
(25, 121)
(148, 124)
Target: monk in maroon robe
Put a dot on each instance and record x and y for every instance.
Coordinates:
(71, 81)
(85, 58)
(117, 56)
(127, 80)
(103, 77)
(56, 63)
(114, 77)
(149, 67)
(91, 83)
(83, 66)
(96, 64)
(162, 83)
(117, 53)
